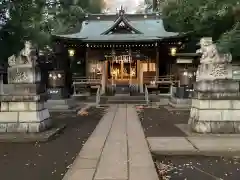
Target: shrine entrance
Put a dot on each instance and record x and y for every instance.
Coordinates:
(122, 69)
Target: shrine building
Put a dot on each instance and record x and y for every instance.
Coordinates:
(122, 50)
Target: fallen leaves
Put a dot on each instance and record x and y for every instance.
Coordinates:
(82, 113)
(139, 107)
(163, 170)
(185, 167)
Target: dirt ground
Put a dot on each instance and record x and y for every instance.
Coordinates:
(197, 168)
(159, 122)
(49, 160)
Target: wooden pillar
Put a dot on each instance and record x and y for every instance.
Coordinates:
(113, 56)
(122, 68)
(1, 83)
(148, 61)
(87, 61)
(103, 79)
(157, 60)
(130, 60)
(141, 77)
(104, 76)
(138, 73)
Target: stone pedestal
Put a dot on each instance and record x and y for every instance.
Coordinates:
(216, 112)
(179, 102)
(23, 112)
(216, 101)
(179, 98)
(22, 100)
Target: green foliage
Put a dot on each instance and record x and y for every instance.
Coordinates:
(36, 20)
(210, 18)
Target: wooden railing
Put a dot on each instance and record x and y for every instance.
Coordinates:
(169, 79)
(80, 82)
(86, 80)
(161, 83)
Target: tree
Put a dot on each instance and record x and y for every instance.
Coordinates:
(70, 14)
(20, 19)
(36, 20)
(213, 18)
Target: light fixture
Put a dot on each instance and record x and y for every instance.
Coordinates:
(59, 75)
(173, 51)
(71, 52)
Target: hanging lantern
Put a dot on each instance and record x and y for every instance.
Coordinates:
(173, 51)
(71, 52)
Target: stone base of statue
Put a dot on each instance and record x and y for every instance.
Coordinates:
(216, 107)
(179, 103)
(22, 100)
(23, 111)
(180, 98)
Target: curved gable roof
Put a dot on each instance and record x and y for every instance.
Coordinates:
(119, 21)
(96, 28)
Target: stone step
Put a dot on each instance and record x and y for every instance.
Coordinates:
(126, 98)
(126, 101)
(61, 105)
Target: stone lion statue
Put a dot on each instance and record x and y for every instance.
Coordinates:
(28, 55)
(210, 54)
(213, 65)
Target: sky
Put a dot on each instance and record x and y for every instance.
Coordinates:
(130, 6)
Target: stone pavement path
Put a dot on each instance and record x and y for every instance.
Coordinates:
(116, 150)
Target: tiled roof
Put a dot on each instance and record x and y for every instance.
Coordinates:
(93, 28)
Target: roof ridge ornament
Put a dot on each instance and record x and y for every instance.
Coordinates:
(122, 22)
(121, 11)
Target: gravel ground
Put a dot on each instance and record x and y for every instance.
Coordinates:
(197, 168)
(159, 122)
(50, 160)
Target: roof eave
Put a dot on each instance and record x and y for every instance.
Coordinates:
(122, 40)
(68, 37)
(188, 55)
(179, 35)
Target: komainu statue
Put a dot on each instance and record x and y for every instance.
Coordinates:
(22, 99)
(22, 68)
(213, 65)
(215, 103)
(27, 56)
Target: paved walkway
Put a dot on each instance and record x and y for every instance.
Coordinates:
(116, 150)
